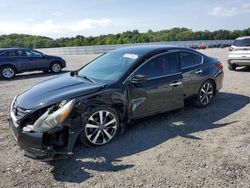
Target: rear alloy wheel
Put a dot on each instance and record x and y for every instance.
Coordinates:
(206, 94)
(56, 67)
(232, 67)
(101, 127)
(7, 72)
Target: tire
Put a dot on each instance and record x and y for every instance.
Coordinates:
(56, 67)
(46, 71)
(7, 72)
(205, 94)
(232, 67)
(96, 133)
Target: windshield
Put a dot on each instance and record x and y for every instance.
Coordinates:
(242, 42)
(108, 67)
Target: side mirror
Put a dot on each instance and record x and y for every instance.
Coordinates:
(138, 79)
(44, 55)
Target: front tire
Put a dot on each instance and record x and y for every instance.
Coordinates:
(101, 127)
(7, 72)
(56, 67)
(205, 94)
(232, 67)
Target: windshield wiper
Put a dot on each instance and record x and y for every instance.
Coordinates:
(86, 78)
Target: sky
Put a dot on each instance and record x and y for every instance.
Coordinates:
(68, 18)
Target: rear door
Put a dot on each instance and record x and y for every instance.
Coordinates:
(192, 70)
(21, 60)
(163, 89)
(16, 58)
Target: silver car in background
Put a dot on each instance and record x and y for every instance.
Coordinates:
(239, 53)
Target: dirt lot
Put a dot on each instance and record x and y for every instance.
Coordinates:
(207, 147)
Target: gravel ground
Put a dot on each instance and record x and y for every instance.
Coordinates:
(193, 147)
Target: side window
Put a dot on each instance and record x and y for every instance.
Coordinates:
(4, 54)
(189, 59)
(13, 53)
(160, 66)
(32, 53)
(21, 53)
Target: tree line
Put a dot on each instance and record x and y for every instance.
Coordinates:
(174, 34)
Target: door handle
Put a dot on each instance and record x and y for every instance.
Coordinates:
(174, 84)
(198, 71)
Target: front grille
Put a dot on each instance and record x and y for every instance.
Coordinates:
(19, 112)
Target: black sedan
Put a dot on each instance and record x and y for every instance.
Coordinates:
(19, 60)
(93, 103)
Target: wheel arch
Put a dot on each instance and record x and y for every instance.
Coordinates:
(205, 80)
(55, 61)
(120, 110)
(214, 84)
(16, 70)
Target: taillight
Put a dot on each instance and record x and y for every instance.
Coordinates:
(219, 65)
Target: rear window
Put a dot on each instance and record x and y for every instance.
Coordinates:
(188, 59)
(3, 54)
(242, 42)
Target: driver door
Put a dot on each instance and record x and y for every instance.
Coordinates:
(161, 91)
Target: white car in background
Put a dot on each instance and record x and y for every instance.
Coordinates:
(239, 53)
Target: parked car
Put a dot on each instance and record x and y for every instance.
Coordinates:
(201, 47)
(19, 60)
(96, 101)
(239, 53)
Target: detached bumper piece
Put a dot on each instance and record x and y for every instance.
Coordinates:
(45, 146)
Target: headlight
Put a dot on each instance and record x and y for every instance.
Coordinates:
(11, 109)
(49, 121)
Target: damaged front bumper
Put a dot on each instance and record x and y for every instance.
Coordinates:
(56, 144)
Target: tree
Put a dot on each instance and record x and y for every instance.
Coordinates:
(127, 37)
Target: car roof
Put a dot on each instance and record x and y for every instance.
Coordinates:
(6, 49)
(145, 49)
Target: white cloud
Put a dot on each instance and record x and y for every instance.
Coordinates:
(52, 28)
(57, 13)
(89, 24)
(230, 11)
(29, 19)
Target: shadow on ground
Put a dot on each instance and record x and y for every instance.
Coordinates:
(146, 134)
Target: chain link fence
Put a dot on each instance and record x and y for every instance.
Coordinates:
(98, 49)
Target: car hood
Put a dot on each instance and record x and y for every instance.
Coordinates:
(53, 57)
(56, 89)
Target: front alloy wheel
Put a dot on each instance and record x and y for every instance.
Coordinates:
(56, 67)
(232, 67)
(101, 128)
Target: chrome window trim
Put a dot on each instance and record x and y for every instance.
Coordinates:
(163, 76)
(202, 60)
(10, 56)
(160, 54)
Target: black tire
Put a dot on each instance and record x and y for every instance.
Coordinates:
(87, 137)
(205, 94)
(7, 72)
(46, 71)
(56, 67)
(232, 67)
